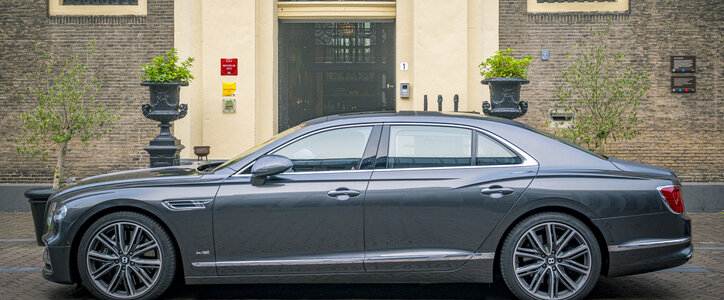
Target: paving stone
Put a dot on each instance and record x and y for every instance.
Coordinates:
(25, 282)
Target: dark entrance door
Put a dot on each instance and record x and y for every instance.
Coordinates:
(332, 68)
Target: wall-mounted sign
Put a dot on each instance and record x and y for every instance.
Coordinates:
(228, 89)
(544, 54)
(404, 66)
(683, 64)
(229, 105)
(683, 84)
(229, 66)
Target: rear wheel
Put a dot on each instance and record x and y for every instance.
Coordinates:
(550, 256)
(126, 255)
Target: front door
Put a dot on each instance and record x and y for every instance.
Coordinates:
(328, 68)
(435, 195)
(307, 220)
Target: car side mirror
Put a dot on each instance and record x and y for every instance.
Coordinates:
(269, 165)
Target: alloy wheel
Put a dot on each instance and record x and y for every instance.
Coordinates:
(124, 260)
(552, 261)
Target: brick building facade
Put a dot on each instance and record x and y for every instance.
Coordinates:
(123, 43)
(680, 131)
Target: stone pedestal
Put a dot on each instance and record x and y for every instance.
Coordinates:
(165, 148)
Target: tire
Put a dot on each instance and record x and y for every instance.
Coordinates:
(573, 267)
(140, 266)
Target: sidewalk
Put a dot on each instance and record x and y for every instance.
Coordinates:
(701, 278)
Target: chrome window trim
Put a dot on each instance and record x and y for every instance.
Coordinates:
(401, 258)
(528, 161)
(238, 173)
(313, 172)
(648, 244)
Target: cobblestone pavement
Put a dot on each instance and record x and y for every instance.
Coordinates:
(701, 278)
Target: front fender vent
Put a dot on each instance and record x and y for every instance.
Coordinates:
(193, 204)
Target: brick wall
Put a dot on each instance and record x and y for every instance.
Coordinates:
(123, 44)
(681, 131)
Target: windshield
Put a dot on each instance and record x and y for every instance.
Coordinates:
(257, 147)
(569, 143)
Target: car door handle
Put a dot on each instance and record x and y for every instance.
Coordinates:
(343, 193)
(496, 190)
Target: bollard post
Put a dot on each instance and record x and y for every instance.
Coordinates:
(439, 102)
(456, 99)
(425, 102)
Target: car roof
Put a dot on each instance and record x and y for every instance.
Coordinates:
(352, 118)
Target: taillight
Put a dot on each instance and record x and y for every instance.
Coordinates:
(672, 197)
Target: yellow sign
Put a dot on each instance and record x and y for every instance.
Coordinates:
(229, 88)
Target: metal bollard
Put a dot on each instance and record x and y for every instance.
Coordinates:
(439, 102)
(425, 102)
(456, 99)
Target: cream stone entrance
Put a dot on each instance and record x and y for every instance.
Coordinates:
(351, 62)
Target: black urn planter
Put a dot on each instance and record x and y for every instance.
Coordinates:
(505, 98)
(164, 107)
(38, 198)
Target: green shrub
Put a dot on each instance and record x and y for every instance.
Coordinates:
(503, 64)
(64, 109)
(603, 91)
(164, 68)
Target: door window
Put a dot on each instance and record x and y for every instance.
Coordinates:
(490, 152)
(429, 146)
(332, 150)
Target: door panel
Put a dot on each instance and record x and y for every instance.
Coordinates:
(306, 220)
(435, 219)
(290, 224)
(429, 205)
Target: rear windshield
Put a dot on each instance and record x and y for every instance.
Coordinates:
(569, 143)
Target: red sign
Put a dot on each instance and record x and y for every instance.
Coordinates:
(228, 66)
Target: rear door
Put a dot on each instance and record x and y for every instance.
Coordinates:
(436, 193)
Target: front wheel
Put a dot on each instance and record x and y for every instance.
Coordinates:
(550, 256)
(126, 255)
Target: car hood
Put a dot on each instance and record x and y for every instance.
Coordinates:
(133, 177)
(644, 169)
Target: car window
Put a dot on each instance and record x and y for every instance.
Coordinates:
(490, 152)
(251, 150)
(332, 150)
(429, 146)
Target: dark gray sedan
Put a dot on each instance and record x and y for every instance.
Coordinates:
(385, 197)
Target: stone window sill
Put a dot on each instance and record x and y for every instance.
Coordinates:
(56, 8)
(577, 7)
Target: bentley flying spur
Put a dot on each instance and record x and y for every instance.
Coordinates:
(399, 197)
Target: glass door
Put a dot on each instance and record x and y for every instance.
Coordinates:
(335, 67)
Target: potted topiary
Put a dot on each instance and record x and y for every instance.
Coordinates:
(164, 78)
(505, 74)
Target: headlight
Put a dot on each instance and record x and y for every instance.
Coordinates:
(55, 213)
(49, 214)
(60, 213)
